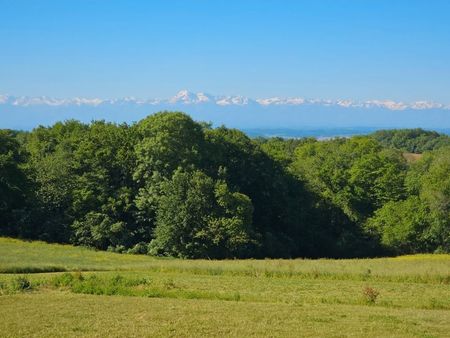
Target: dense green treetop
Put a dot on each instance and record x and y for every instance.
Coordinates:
(411, 140)
(171, 186)
(355, 174)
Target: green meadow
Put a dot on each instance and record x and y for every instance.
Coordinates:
(52, 290)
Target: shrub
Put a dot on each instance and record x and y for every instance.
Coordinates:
(139, 248)
(65, 279)
(370, 294)
(117, 249)
(20, 283)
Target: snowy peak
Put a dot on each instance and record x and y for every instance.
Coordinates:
(183, 96)
(427, 105)
(281, 101)
(25, 101)
(202, 97)
(4, 99)
(233, 100)
(187, 97)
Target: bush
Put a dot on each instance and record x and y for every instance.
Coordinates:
(105, 285)
(370, 294)
(117, 248)
(140, 248)
(20, 283)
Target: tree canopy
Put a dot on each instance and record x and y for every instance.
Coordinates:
(168, 185)
(412, 140)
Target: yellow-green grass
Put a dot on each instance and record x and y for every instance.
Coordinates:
(412, 157)
(18, 256)
(105, 294)
(60, 314)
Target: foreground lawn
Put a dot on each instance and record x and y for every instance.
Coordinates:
(55, 290)
(58, 314)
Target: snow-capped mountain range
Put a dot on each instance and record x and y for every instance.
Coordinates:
(185, 97)
(233, 111)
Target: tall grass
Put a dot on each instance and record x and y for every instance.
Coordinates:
(36, 257)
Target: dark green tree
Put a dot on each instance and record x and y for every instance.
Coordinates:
(357, 174)
(104, 190)
(166, 141)
(281, 204)
(13, 185)
(412, 140)
(421, 223)
(52, 169)
(402, 226)
(198, 217)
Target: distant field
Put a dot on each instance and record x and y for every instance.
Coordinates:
(57, 290)
(412, 157)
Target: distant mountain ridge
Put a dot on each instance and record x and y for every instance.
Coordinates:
(187, 97)
(22, 112)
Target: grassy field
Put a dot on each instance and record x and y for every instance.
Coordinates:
(412, 157)
(57, 290)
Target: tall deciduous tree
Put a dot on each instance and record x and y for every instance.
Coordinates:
(200, 217)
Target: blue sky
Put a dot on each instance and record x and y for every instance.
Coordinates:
(371, 49)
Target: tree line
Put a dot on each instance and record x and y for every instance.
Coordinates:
(171, 186)
(412, 140)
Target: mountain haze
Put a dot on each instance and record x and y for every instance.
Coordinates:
(234, 111)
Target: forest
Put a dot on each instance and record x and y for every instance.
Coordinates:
(170, 186)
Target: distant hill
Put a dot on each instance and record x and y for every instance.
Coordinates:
(412, 140)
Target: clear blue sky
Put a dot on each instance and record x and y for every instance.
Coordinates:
(372, 49)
